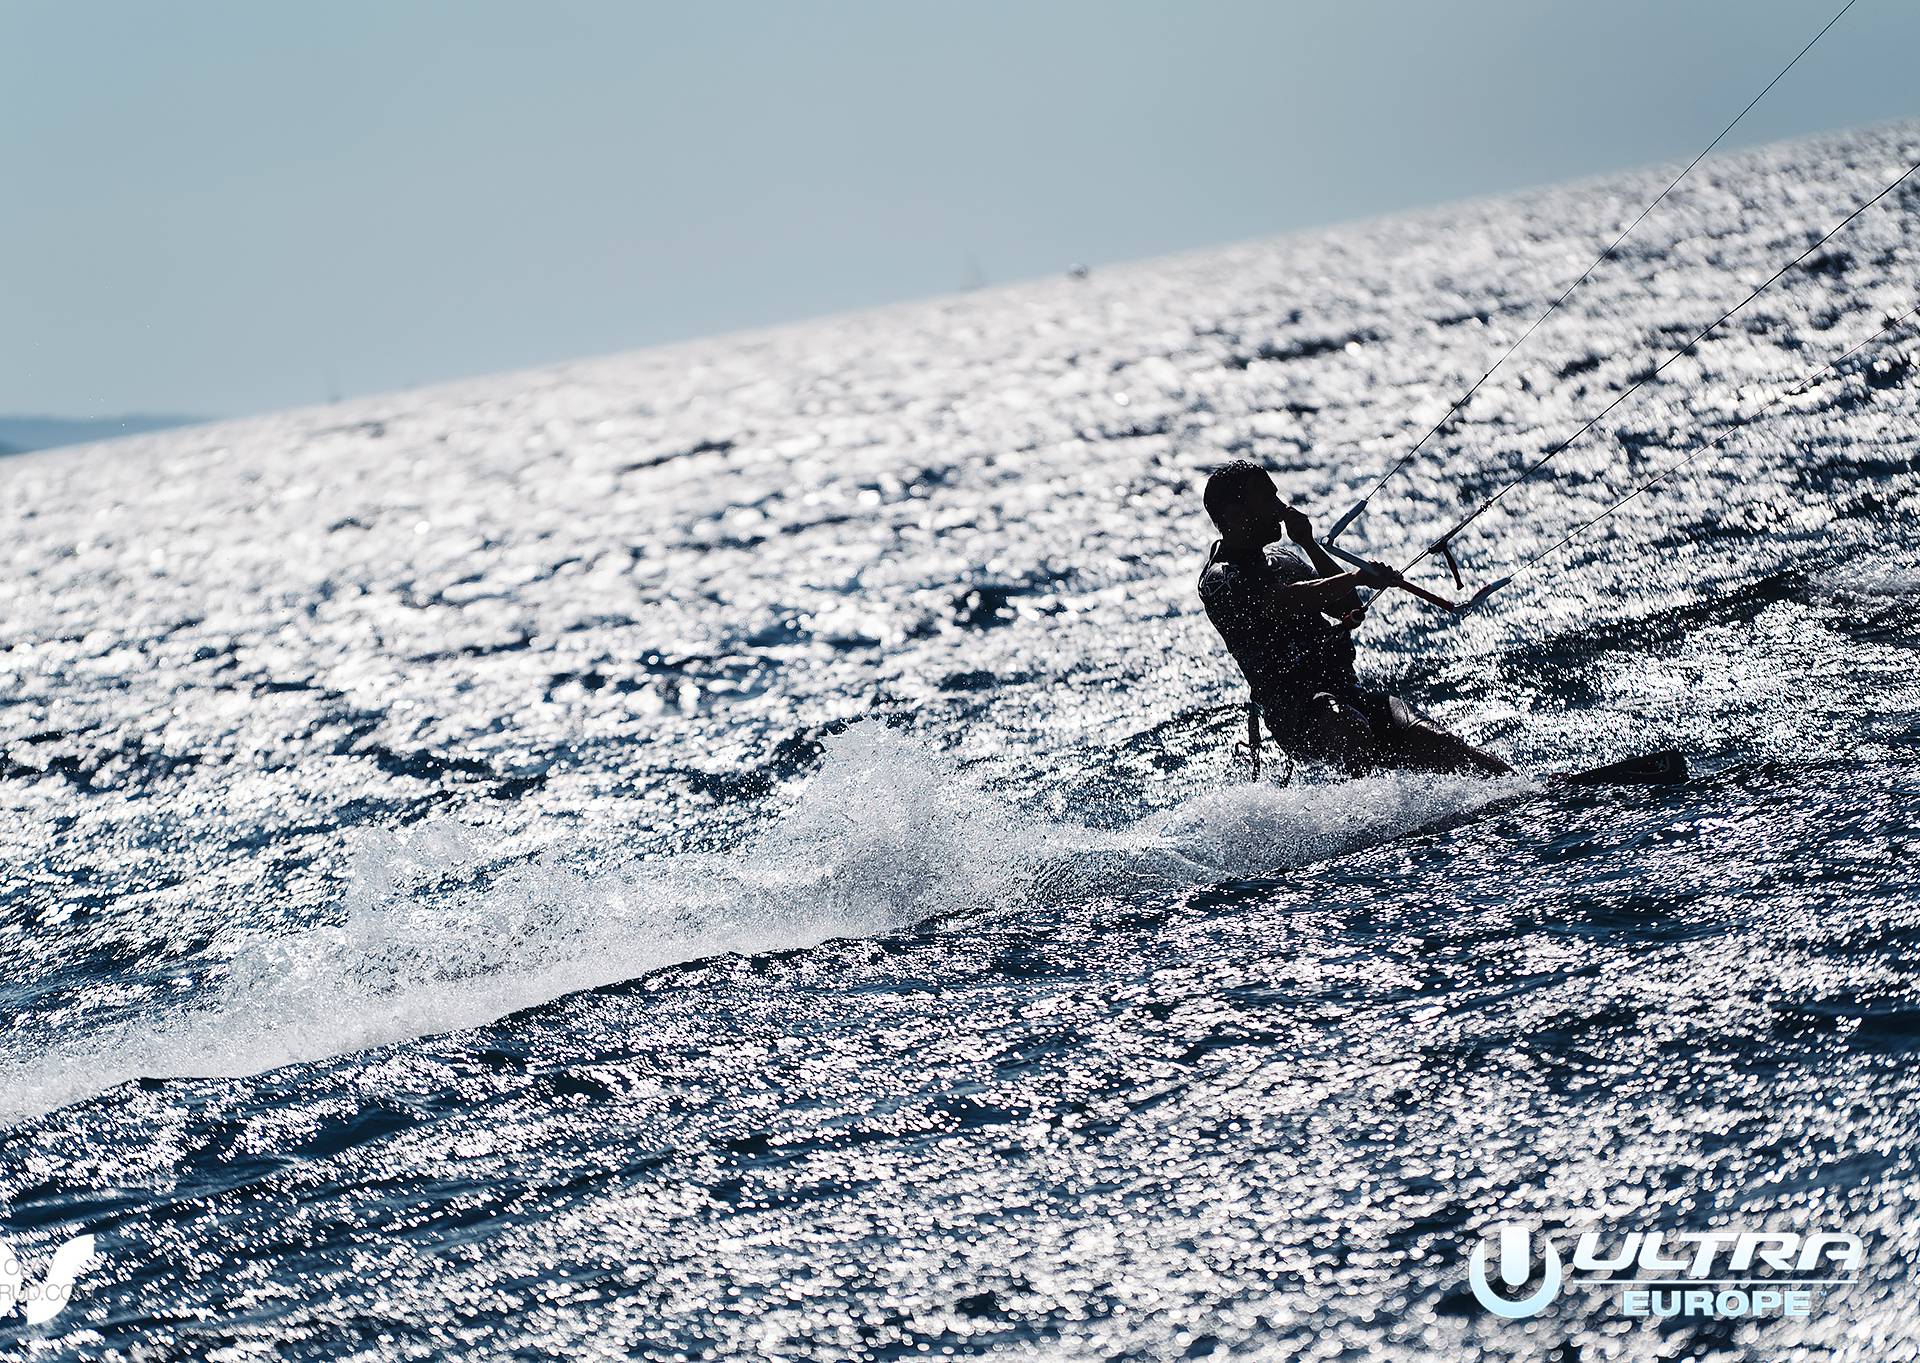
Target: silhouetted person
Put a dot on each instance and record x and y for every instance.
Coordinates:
(1287, 615)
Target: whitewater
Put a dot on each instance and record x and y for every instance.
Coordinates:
(736, 850)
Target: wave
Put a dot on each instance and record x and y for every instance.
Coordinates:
(434, 935)
(1876, 578)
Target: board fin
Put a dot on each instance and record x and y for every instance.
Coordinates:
(1664, 768)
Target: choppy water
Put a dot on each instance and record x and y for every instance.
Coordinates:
(733, 851)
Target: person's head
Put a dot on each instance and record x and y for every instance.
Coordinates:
(1243, 501)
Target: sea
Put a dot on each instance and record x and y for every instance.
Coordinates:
(738, 850)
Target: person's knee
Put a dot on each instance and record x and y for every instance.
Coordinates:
(1338, 732)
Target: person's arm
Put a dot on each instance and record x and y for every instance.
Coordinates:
(1347, 607)
(1336, 594)
(1300, 531)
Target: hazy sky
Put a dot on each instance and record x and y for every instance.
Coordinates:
(224, 208)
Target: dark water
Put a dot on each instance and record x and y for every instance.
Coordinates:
(734, 852)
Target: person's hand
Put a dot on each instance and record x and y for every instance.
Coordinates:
(1378, 576)
(1299, 528)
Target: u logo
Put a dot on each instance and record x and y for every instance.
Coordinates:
(1516, 1266)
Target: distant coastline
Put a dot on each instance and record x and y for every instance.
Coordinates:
(19, 434)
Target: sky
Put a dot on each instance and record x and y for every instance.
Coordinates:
(224, 208)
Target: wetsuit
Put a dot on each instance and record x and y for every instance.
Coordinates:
(1299, 663)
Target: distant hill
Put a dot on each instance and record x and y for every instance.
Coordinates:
(19, 434)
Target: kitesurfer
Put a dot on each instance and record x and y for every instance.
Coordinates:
(1287, 614)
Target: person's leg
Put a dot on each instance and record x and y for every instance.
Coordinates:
(1328, 730)
(1411, 740)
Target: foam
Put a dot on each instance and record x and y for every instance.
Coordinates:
(433, 936)
(1874, 574)
(1876, 580)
